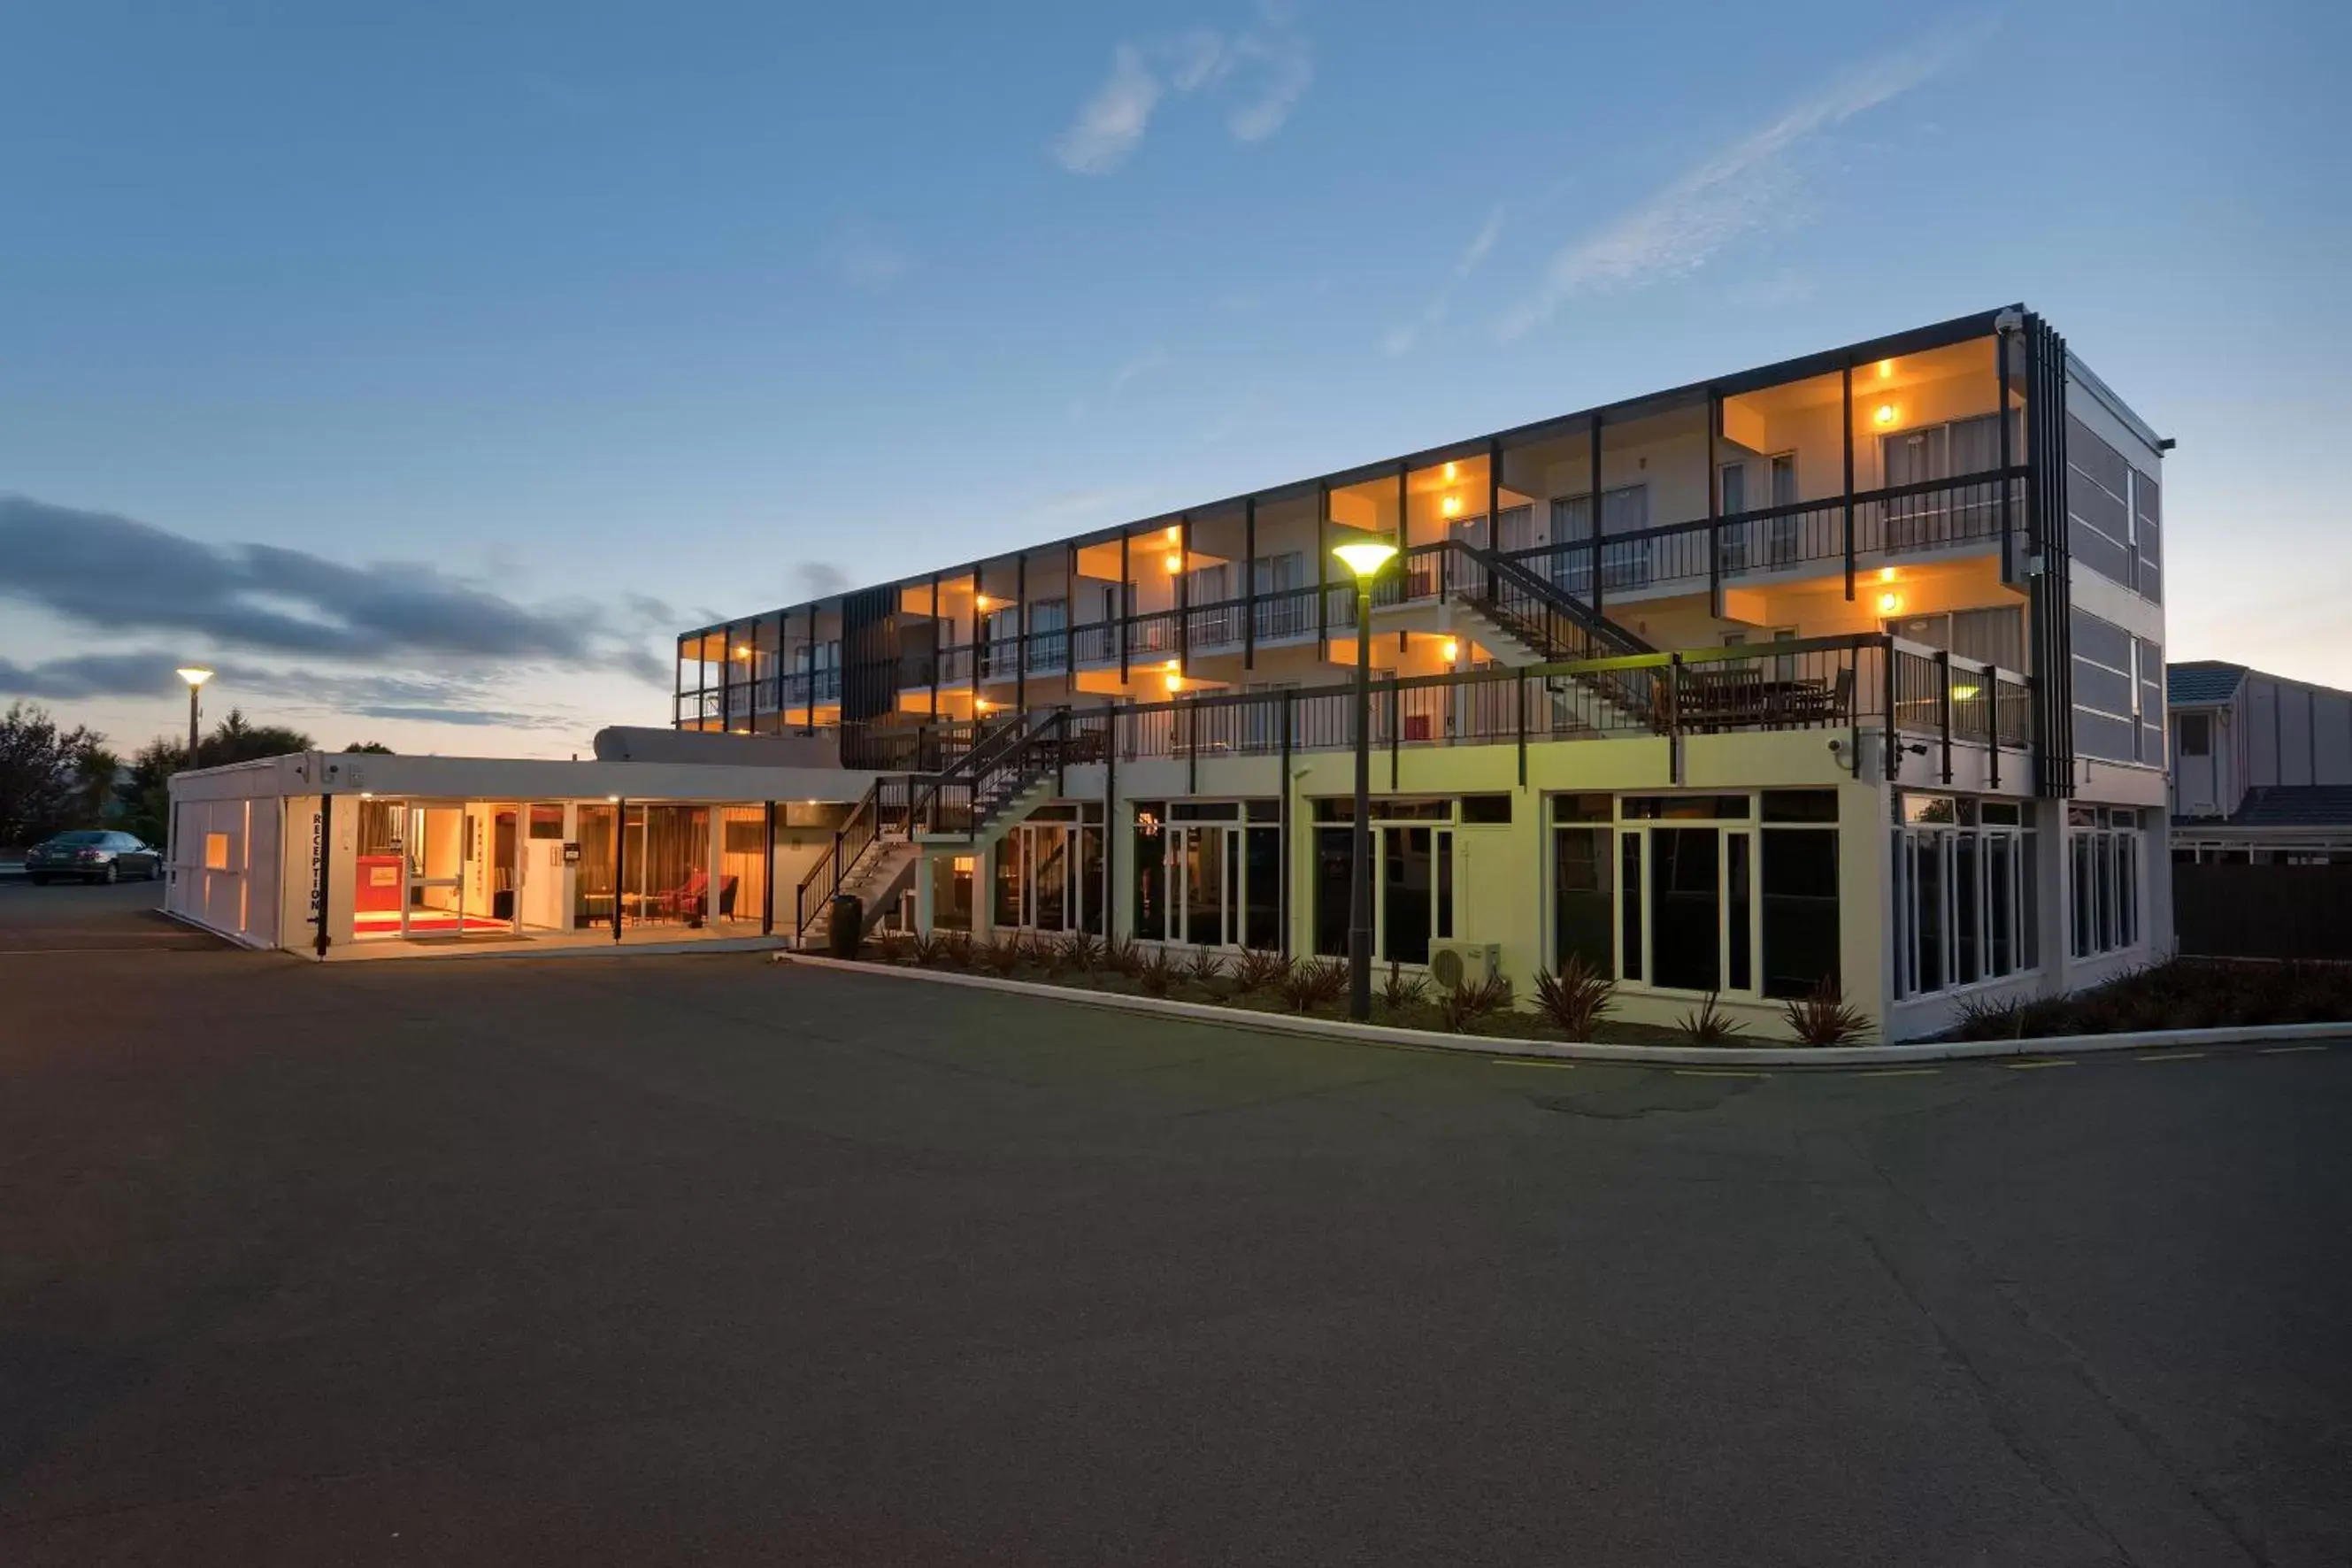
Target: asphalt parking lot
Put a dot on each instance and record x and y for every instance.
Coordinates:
(668, 1259)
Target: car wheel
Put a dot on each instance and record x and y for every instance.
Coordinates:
(111, 875)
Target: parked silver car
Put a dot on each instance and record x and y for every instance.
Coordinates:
(93, 855)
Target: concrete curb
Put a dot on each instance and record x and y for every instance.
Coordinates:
(1638, 1056)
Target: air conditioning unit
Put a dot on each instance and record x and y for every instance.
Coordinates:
(1452, 963)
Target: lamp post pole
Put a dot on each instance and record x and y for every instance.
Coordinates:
(1365, 560)
(196, 674)
(1359, 875)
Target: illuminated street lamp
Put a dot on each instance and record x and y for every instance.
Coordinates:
(1365, 560)
(196, 674)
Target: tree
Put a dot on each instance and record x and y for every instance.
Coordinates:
(370, 748)
(236, 740)
(147, 793)
(42, 769)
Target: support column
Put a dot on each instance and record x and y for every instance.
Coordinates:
(1021, 633)
(1593, 503)
(1183, 587)
(1845, 383)
(1125, 601)
(1713, 503)
(1249, 583)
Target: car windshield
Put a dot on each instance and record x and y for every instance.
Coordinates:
(83, 838)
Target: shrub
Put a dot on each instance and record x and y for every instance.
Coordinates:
(1205, 969)
(1159, 973)
(1258, 971)
(955, 950)
(1708, 1025)
(1081, 950)
(1576, 998)
(892, 946)
(1123, 955)
(925, 948)
(1001, 953)
(1824, 1019)
(1466, 1003)
(1401, 990)
(1317, 983)
(1982, 1018)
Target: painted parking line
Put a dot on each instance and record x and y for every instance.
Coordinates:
(2030, 1067)
(2287, 1050)
(2171, 1056)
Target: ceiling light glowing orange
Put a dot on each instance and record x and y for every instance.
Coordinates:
(1885, 414)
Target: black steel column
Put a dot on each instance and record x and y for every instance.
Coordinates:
(324, 884)
(1021, 632)
(1322, 574)
(1359, 878)
(1944, 707)
(1846, 380)
(1593, 505)
(938, 652)
(1494, 508)
(1183, 587)
(620, 859)
(808, 702)
(978, 593)
(1126, 598)
(2007, 544)
(1282, 895)
(1249, 583)
(676, 691)
(1714, 504)
(767, 868)
(1110, 817)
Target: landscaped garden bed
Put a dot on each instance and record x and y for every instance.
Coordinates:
(2180, 994)
(1572, 1006)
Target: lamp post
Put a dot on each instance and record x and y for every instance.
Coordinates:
(196, 674)
(1365, 560)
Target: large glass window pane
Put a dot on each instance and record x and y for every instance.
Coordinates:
(1012, 870)
(1687, 906)
(1089, 889)
(592, 884)
(1965, 914)
(742, 865)
(1581, 900)
(1334, 859)
(1050, 848)
(1204, 885)
(1409, 885)
(1801, 911)
(1631, 929)
(2029, 902)
(665, 880)
(1739, 942)
(1445, 855)
(1150, 871)
(1928, 908)
(1262, 879)
(2001, 902)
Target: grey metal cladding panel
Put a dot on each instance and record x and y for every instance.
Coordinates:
(2261, 732)
(2294, 737)
(2332, 738)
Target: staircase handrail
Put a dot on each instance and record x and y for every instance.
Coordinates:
(862, 825)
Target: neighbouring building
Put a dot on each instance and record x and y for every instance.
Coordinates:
(1842, 670)
(2261, 813)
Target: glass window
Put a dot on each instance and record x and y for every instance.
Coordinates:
(1205, 811)
(1801, 911)
(1150, 871)
(1581, 808)
(1334, 865)
(1685, 897)
(1928, 909)
(1800, 805)
(1967, 909)
(1263, 877)
(1012, 868)
(1739, 944)
(1582, 898)
(1487, 808)
(1408, 889)
(1685, 808)
(1630, 849)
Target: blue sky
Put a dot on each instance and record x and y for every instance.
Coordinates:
(584, 323)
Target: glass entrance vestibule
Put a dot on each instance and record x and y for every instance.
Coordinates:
(451, 871)
(1207, 873)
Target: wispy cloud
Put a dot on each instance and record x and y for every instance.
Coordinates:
(867, 258)
(1268, 67)
(1402, 338)
(1739, 191)
(1142, 365)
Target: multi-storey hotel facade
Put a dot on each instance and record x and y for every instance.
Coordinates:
(1846, 669)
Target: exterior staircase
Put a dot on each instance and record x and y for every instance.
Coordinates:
(1525, 619)
(875, 879)
(1002, 780)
